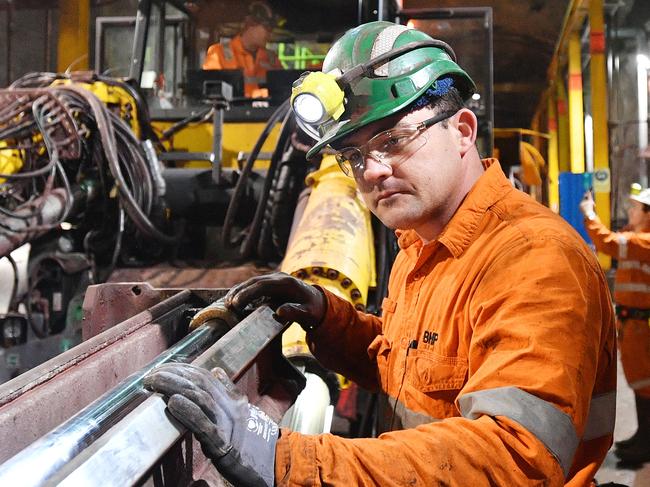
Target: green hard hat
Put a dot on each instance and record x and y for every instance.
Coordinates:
(394, 85)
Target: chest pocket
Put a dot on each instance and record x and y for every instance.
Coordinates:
(430, 372)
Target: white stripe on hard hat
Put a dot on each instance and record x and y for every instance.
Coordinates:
(384, 43)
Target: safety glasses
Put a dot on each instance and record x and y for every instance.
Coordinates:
(390, 147)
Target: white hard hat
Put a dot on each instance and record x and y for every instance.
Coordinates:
(642, 197)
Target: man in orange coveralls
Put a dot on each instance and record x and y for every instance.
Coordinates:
(496, 347)
(632, 297)
(247, 50)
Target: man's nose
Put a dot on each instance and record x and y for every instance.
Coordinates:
(375, 168)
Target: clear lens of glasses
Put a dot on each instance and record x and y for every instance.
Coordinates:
(391, 148)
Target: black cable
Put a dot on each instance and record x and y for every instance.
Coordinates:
(107, 136)
(240, 187)
(199, 117)
(142, 181)
(251, 239)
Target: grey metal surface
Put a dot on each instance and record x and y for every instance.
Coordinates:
(127, 451)
(41, 461)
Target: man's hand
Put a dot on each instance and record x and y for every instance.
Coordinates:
(294, 299)
(588, 206)
(238, 437)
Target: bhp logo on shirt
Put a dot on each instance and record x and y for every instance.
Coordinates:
(430, 337)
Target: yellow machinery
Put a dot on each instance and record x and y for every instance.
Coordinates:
(332, 245)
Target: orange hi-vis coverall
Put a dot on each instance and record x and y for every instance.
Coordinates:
(631, 290)
(230, 54)
(496, 348)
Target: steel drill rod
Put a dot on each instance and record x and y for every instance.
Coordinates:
(45, 457)
(126, 452)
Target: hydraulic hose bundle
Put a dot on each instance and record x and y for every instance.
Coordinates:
(65, 148)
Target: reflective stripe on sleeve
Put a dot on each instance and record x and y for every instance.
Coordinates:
(631, 287)
(634, 264)
(404, 417)
(602, 416)
(551, 426)
(227, 50)
(640, 384)
(622, 247)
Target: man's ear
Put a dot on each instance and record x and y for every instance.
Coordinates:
(467, 126)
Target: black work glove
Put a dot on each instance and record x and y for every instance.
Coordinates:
(293, 299)
(238, 437)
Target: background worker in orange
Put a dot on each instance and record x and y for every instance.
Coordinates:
(632, 296)
(247, 50)
(495, 350)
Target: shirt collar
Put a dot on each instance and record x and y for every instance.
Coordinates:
(460, 231)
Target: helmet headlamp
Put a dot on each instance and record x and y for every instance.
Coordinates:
(308, 107)
(317, 97)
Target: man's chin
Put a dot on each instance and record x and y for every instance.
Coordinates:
(394, 220)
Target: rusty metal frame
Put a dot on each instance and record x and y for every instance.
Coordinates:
(34, 403)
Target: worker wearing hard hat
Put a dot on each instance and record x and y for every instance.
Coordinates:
(632, 296)
(247, 50)
(495, 352)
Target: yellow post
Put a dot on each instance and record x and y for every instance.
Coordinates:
(601, 184)
(564, 150)
(576, 113)
(552, 156)
(72, 51)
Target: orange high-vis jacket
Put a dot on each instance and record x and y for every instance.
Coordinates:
(496, 350)
(631, 289)
(230, 54)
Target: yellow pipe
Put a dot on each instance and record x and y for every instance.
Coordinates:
(332, 246)
(576, 112)
(74, 22)
(552, 156)
(573, 17)
(599, 114)
(564, 151)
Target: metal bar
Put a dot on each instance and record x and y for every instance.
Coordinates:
(217, 128)
(127, 452)
(160, 58)
(186, 156)
(140, 40)
(41, 461)
(381, 10)
(99, 31)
